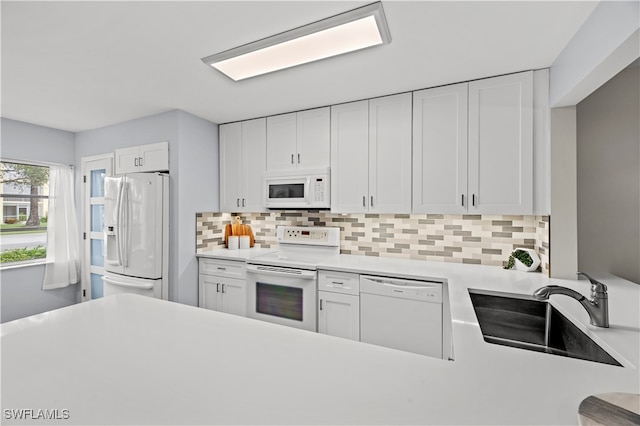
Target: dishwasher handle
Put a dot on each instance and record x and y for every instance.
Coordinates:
(407, 289)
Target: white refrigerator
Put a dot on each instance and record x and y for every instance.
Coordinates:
(137, 234)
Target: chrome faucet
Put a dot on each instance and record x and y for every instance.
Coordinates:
(597, 307)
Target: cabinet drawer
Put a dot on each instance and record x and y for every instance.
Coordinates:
(222, 268)
(339, 282)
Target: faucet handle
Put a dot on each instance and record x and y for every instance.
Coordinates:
(596, 286)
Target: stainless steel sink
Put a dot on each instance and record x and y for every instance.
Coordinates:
(527, 323)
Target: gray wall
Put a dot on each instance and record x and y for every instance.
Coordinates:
(608, 169)
(21, 291)
(563, 233)
(197, 189)
(193, 180)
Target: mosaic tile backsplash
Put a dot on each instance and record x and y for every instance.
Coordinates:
(475, 239)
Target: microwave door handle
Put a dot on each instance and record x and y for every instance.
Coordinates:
(307, 190)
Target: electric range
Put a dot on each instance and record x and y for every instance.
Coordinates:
(282, 286)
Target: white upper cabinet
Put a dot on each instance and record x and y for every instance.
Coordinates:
(230, 137)
(299, 140)
(143, 158)
(390, 154)
(350, 157)
(501, 145)
(440, 150)
(242, 166)
(371, 156)
(473, 147)
(314, 134)
(281, 142)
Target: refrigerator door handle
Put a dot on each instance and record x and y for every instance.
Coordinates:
(126, 225)
(119, 221)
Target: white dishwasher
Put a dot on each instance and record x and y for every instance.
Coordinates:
(402, 314)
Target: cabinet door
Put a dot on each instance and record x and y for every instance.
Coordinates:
(154, 157)
(281, 142)
(501, 144)
(210, 296)
(390, 154)
(127, 160)
(313, 138)
(234, 296)
(252, 163)
(339, 315)
(349, 157)
(230, 149)
(440, 150)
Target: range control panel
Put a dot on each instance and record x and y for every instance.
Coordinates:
(313, 235)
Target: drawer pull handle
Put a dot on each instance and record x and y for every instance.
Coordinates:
(337, 282)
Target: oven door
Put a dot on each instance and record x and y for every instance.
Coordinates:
(291, 192)
(283, 296)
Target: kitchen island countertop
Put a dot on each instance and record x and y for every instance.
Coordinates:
(127, 359)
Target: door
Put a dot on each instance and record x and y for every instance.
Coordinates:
(127, 160)
(404, 324)
(252, 164)
(230, 161)
(339, 315)
(440, 150)
(210, 296)
(282, 296)
(501, 144)
(350, 157)
(94, 171)
(142, 204)
(281, 142)
(313, 139)
(154, 157)
(390, 154)
(234, 296)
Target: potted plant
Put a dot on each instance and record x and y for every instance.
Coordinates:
(523, 259)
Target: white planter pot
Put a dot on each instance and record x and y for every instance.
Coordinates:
(534, 256)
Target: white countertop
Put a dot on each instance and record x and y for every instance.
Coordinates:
(242, 255)
(128, 359)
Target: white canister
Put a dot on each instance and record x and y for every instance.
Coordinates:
(233, 243)
(245, 242)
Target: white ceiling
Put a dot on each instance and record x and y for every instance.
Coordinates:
(83, 65)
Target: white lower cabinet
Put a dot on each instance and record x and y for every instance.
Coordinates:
(339, 304)
(339, 315)
(222, 286)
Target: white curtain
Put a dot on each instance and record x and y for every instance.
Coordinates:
(63, 251)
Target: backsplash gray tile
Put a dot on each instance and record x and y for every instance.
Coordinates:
(474, 239)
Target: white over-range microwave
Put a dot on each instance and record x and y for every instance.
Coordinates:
(298, 189)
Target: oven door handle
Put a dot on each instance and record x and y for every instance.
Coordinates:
(282, 272)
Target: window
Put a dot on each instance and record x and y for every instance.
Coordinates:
(24, 190)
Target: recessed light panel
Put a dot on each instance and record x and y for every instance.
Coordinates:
(347, 32)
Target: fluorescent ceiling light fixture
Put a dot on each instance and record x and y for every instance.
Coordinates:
(350, 31)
